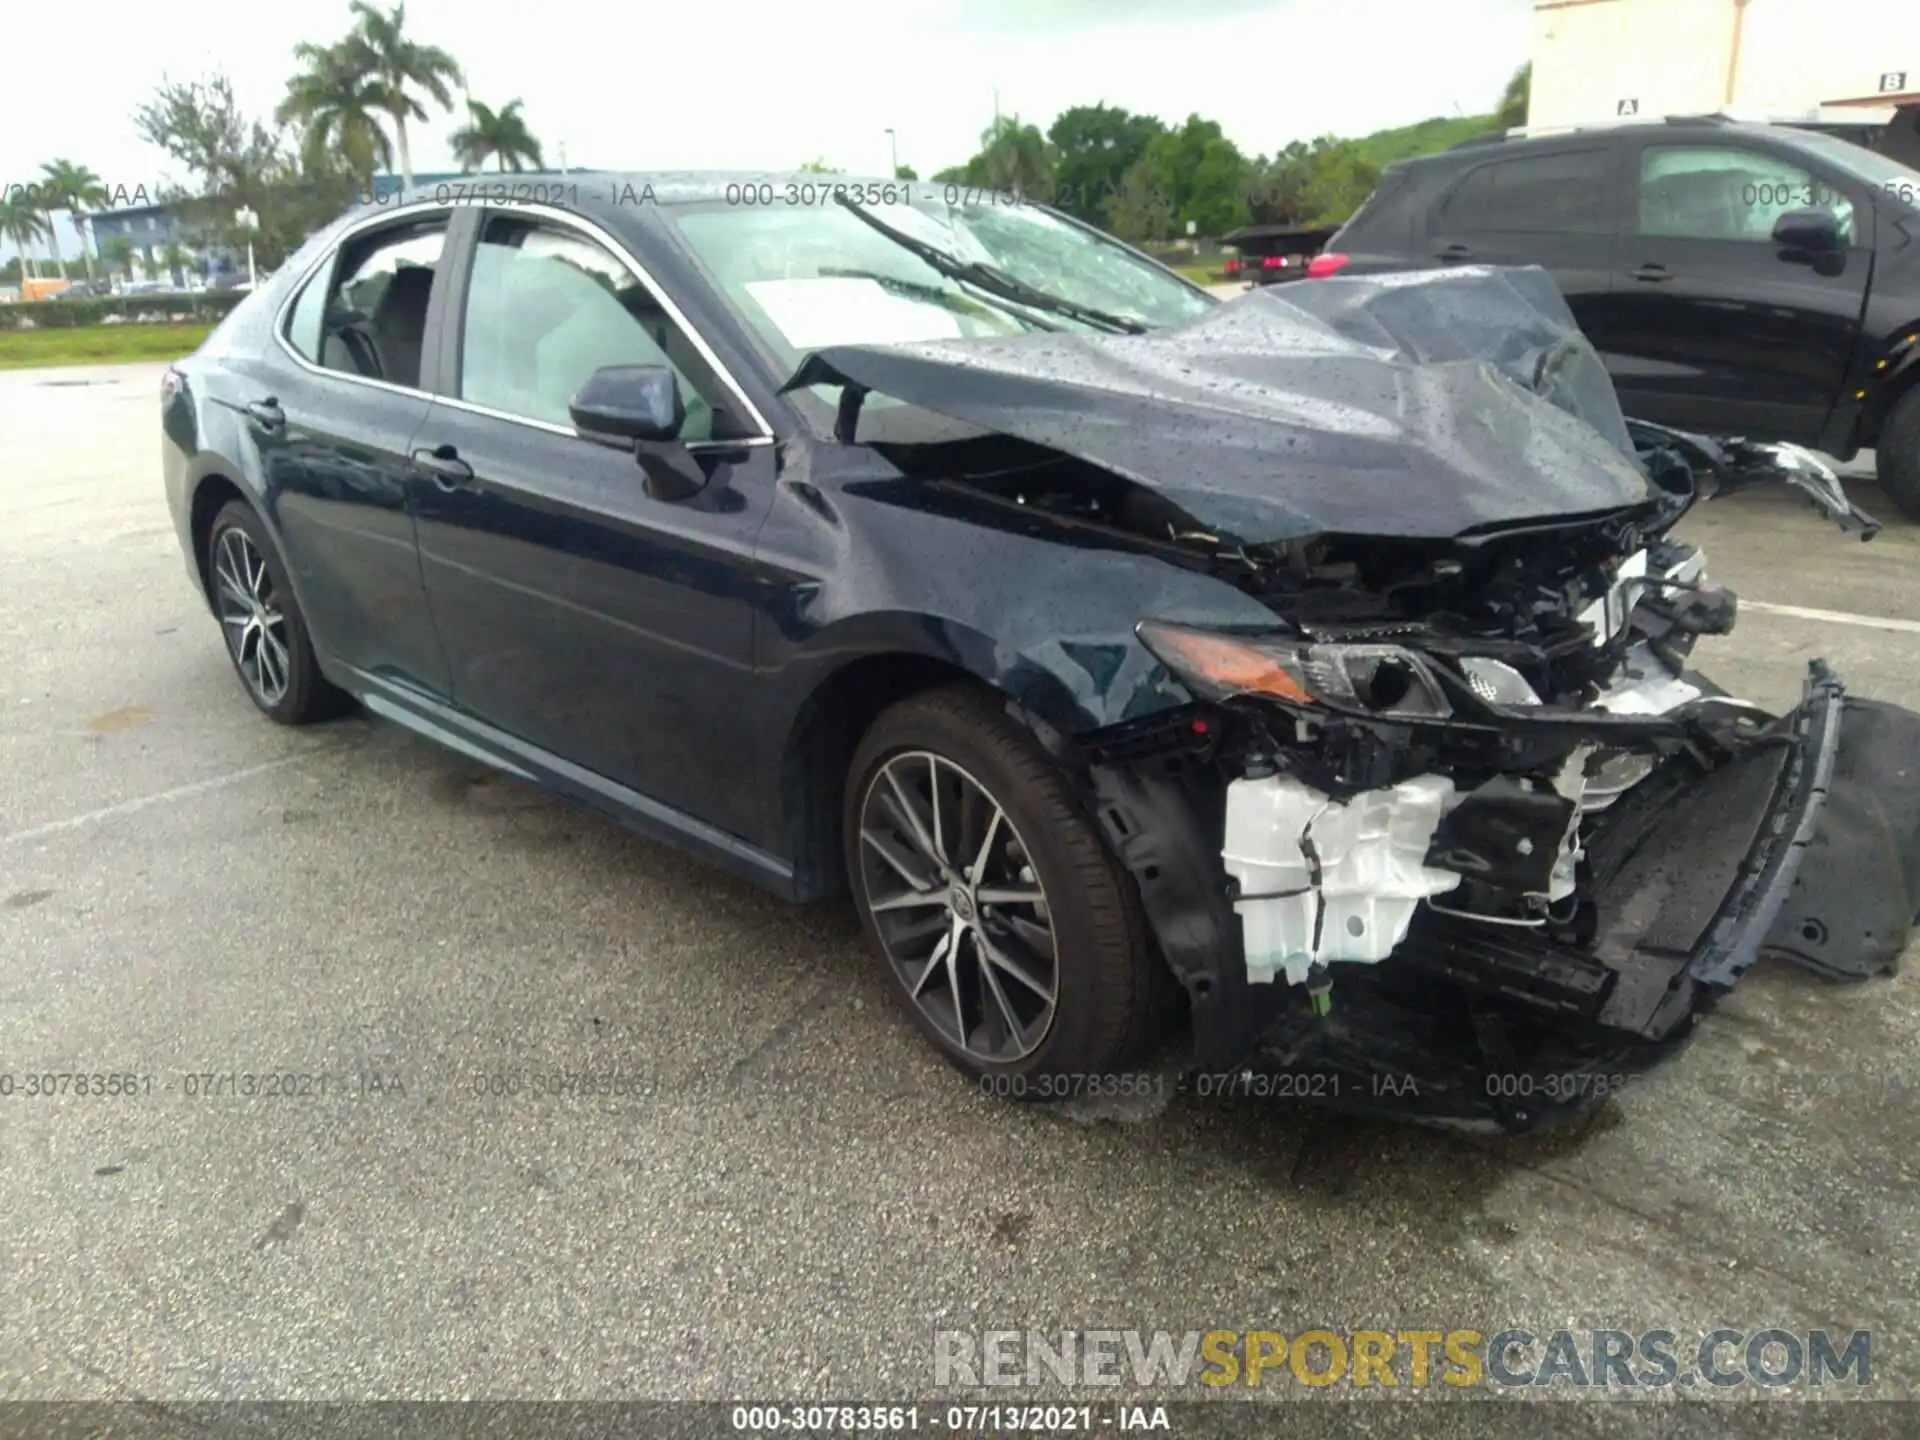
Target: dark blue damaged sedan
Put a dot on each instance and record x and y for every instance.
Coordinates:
(1306, 674)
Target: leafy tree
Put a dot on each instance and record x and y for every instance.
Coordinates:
(175, 260)
(501, 135)
(1275, 187)
(1321, 183)
(340, 107)
(75, 189)
(905, 172)
(1140, 211)
(1203, 176)
(236, 162)
(116, 251)
(818, 166)
(1515, 99)
(22, 222)
(1338, 178)
(952, 175)
(380, 49)
(1094, 147)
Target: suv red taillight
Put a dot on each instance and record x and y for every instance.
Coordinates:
(1232, 266)
(1322, 266)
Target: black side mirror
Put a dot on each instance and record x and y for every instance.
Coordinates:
(1815, 231)
(620, 404)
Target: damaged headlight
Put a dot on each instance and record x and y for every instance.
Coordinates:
(1383, 680)
(1496, 682)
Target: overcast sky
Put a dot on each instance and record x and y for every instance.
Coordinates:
(744, 84)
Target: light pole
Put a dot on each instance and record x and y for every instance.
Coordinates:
(893, 145)
(249, 222)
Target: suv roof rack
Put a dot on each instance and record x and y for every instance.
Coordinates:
(1533, 132)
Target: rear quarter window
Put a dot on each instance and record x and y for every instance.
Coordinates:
(1555, 192)
(1376, 212)
(225, 338)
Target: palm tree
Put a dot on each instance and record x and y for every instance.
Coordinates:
(502, 135)
(1015, 157)
(48, 203)
(22, 223)
(117, 252)
(177, 262)
(77, 190)
(339, 105)
(379, 50)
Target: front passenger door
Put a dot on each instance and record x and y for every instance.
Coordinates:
(579, 615)
(1721, 329)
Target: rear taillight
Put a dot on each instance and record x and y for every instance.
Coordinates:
(170, 384)
(1232, 266)
(1273, 262)
(1322, 266)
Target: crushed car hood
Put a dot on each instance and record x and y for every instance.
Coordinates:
(1423, 405)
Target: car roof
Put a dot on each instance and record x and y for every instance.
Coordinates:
(1688, 126)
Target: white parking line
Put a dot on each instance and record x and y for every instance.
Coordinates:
(147, 802)
(1833, 617)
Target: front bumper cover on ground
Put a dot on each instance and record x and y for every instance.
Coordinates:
(1806, 845)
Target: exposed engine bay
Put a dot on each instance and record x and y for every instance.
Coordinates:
(1499, 872)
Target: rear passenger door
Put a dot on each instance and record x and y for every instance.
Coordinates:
(333, 423)
(1557, 207)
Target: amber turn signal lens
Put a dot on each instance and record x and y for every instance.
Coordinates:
(1228, 665)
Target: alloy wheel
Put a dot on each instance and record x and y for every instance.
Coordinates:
(959, 907)
(251, 618)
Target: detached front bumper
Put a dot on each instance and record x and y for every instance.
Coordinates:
(1805, 845)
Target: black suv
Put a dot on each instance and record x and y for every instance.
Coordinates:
(1739, 279)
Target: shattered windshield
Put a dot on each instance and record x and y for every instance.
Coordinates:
(807, 277)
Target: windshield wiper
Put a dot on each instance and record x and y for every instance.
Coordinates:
(961, 302)
(993, 281)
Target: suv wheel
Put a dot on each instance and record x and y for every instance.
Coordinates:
(1012, 936)
(1897, 453)
(266, 636)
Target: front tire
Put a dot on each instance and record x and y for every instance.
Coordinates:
(260, 621)
(1011, 934)
(1897, 453)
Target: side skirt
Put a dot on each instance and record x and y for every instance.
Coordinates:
(458, 731)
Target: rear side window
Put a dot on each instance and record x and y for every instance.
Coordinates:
(1561, 192)
(1372, 208)
(365, 312)
(306, 325)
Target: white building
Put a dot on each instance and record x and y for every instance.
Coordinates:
(1837, 60)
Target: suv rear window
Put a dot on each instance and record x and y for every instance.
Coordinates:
(1560, 191)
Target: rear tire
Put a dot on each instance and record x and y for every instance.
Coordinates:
(1897, 453)
(266, 636)
(931, 881)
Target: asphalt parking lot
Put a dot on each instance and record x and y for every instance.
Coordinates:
(804, 1191)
